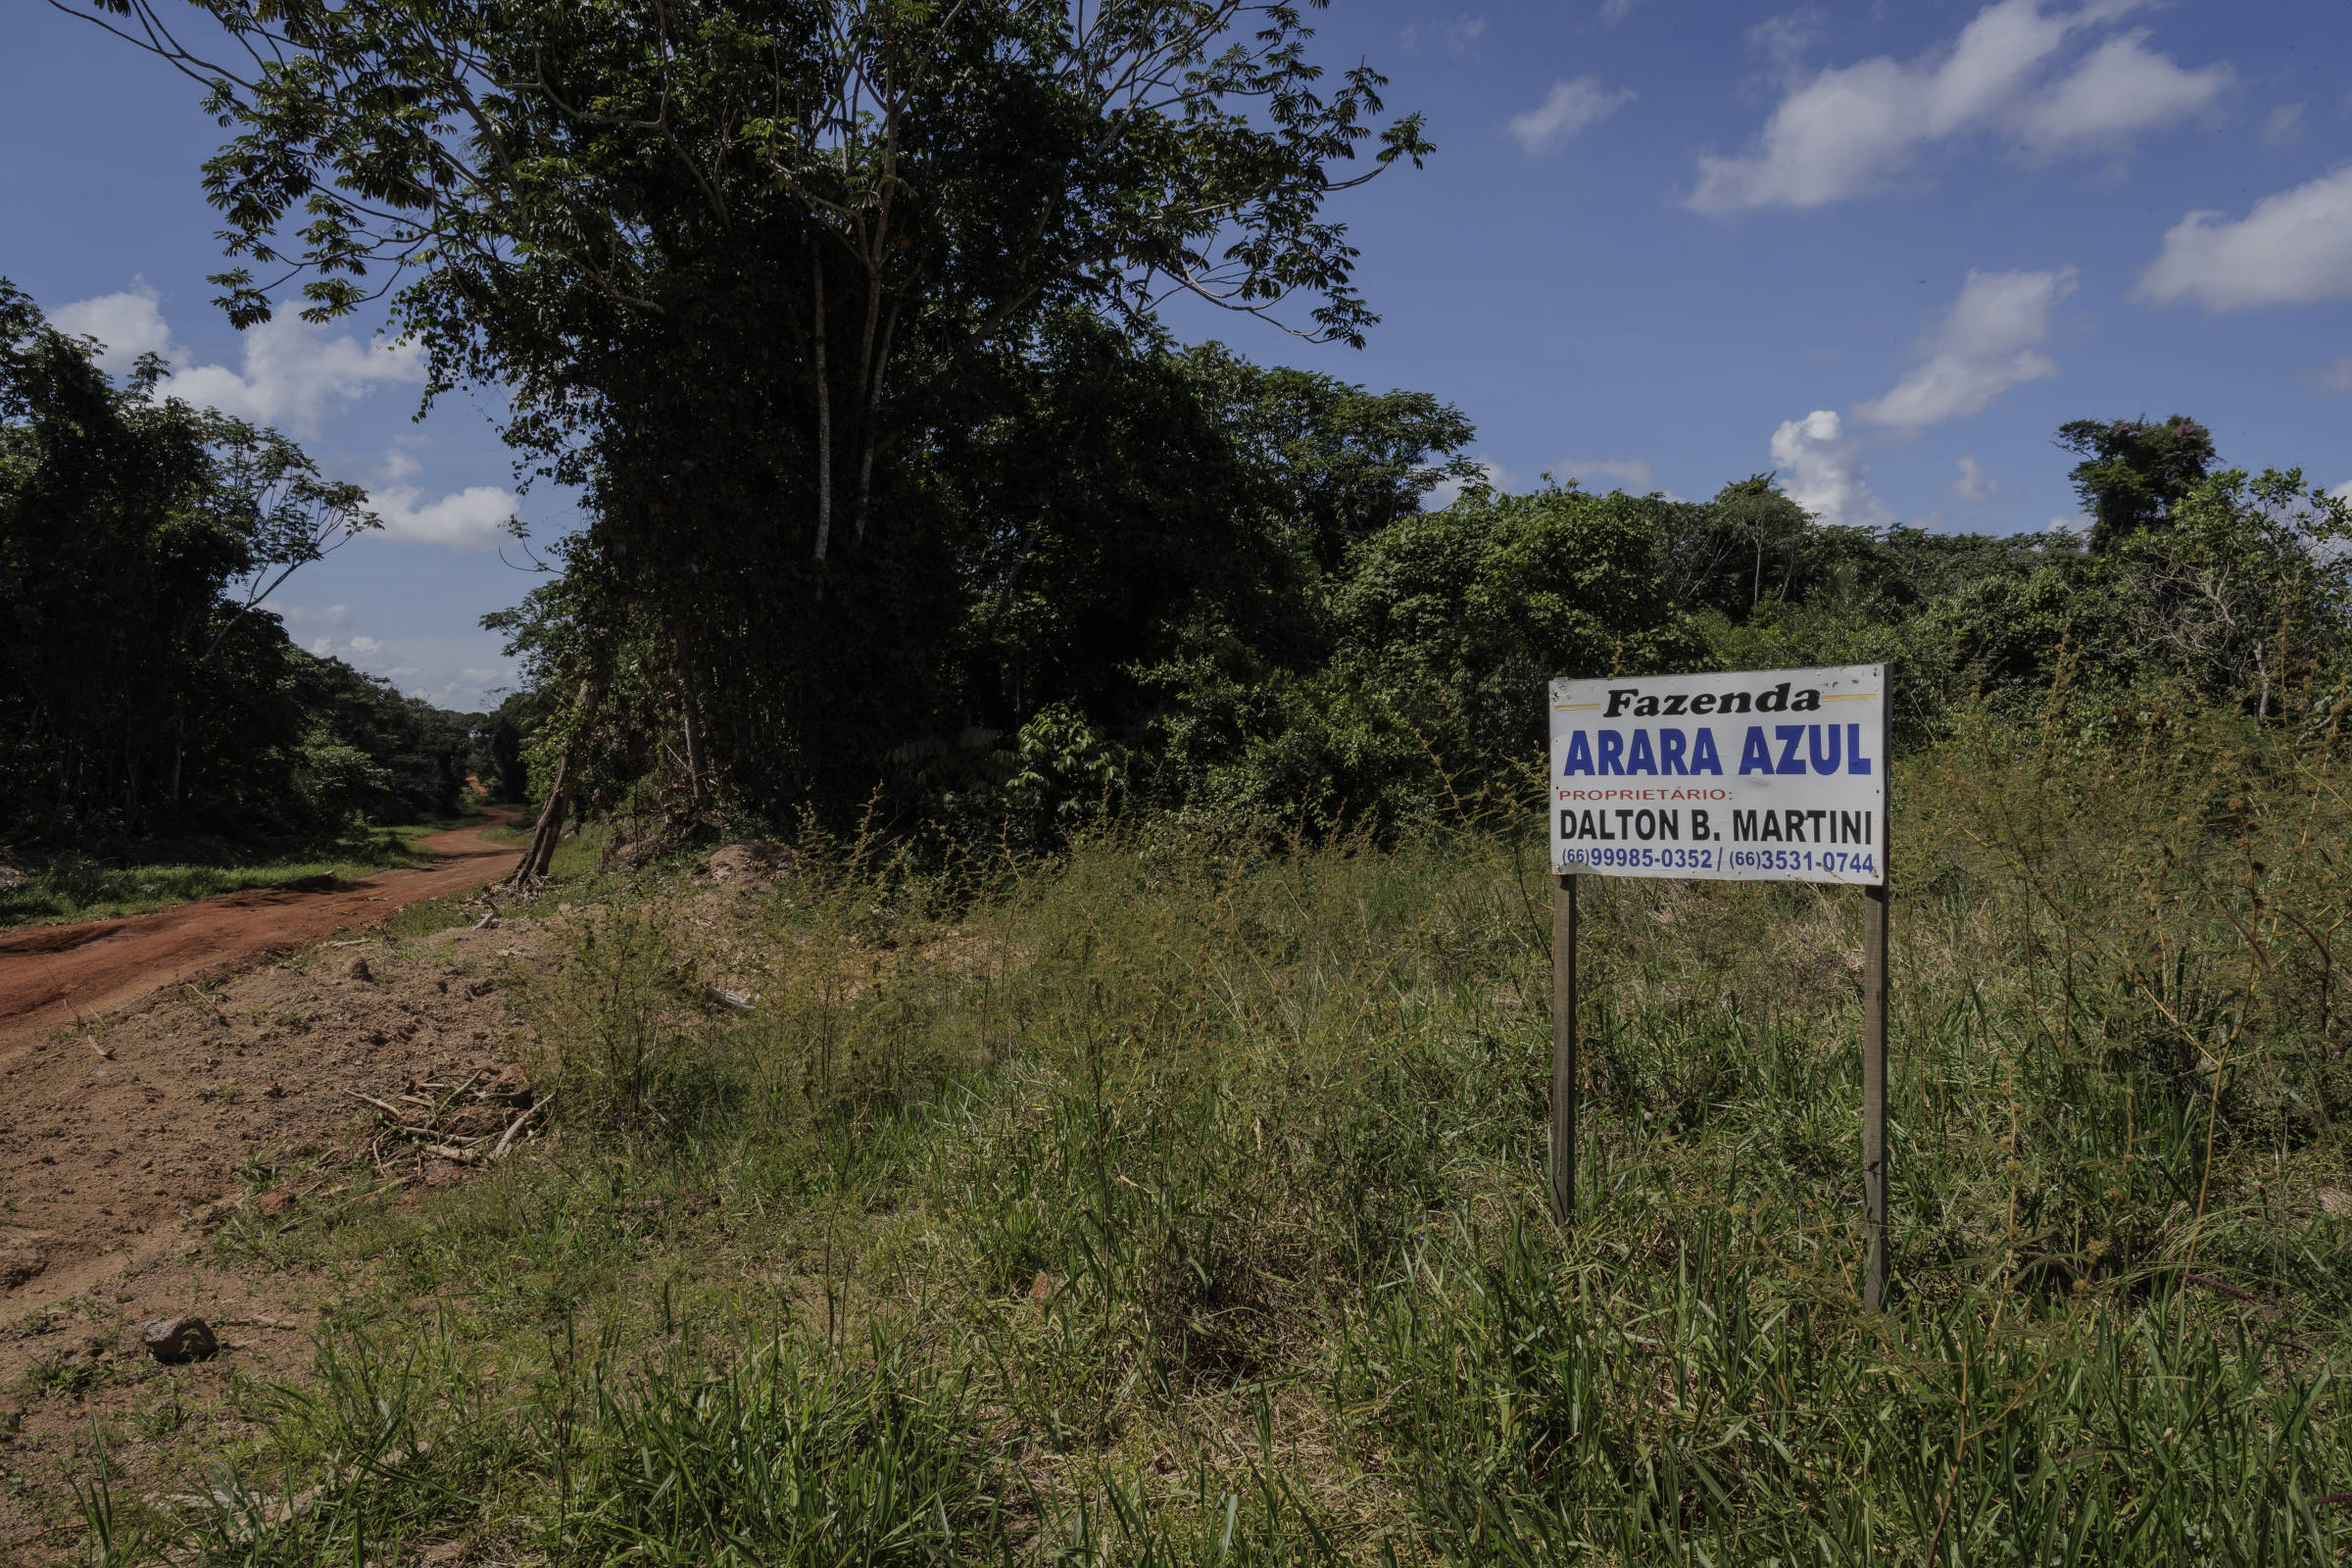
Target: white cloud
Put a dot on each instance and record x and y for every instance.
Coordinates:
(2342, 492)
(2295, 248)
(314, 618)
(2072, 522)
(127, 324)
(1784, 41)
(1821, 469)
(439, 669)
(1612, 12)
(1457, 38)
(2120, 88)
(2336, 377)
(1570, 108)
(1974, 485)
(1843, 129)
(1989, 343)
(293, 372)
(1629, 474)
(2282, 125)
(474, 518)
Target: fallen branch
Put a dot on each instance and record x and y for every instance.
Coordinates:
(517, 1127)
(392, 1111)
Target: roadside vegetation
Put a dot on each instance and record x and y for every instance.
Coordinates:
(72, 886)
(1179, 1198)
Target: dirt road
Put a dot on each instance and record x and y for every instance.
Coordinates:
(53, 975)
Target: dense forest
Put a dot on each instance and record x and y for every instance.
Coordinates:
(1178, 577)
(147, 691)
(900, 498)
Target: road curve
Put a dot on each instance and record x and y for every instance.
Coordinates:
(53, 975)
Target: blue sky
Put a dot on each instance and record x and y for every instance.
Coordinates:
(1884, 249)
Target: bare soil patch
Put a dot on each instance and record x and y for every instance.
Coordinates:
(126, 1146)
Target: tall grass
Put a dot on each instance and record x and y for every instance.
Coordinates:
(1181, 1200)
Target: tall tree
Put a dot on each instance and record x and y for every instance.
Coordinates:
(2134, 473)
(739, 261)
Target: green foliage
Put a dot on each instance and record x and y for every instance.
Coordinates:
(1484, 601)
(1183, 1200)
(1122, 504)
(751, 274)
(1441, 634)
(2243, 593)
(1335, 464)
(145, 691)
(619, 1008)
(1718, 555)
(2134, 473)
(1272, 624)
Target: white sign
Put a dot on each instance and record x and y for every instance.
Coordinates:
(1774, 775)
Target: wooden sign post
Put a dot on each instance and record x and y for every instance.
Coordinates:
(1757, 775)
(1563, 1049)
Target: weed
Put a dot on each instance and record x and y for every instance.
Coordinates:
(62, 1373)
(423, 919)
(161, 1419)
(621, 1013)
(1181, 1199)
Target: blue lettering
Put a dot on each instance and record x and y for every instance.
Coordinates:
(1612, 751)
(1703, 755)
(1755, 757)
(1640, 759)
(1580, 755)
(1855, 761)
(1671, 744)
(1821, 764)
(1788, 736)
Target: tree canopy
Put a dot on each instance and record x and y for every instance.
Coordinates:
(145, 687)
(748, 272)
(2133, 473)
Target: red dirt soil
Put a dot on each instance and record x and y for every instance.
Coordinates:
(54, 974)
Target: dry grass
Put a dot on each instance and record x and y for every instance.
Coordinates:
(1181, 1200)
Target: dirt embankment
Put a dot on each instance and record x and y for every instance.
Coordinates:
(55, 974)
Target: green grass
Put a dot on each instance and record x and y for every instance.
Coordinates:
(1181, 1201)
(79, 888)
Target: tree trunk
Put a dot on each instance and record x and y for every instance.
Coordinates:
(824, 422)
(542, 853)
(873, 410)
